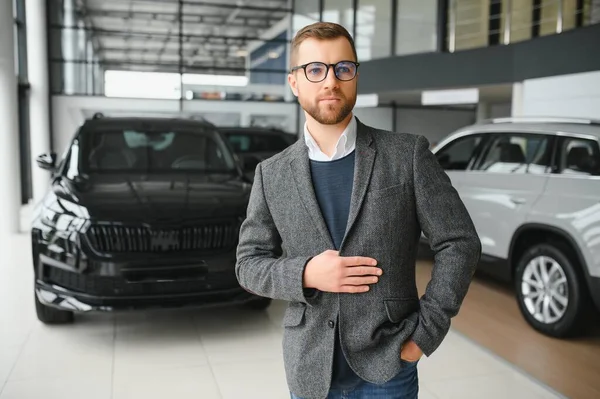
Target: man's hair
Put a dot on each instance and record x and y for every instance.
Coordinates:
(320, 31)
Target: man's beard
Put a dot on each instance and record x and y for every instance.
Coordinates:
(325, 116)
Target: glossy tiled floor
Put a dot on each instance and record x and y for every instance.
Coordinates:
(225, 353)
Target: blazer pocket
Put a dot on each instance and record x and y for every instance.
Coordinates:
(399, 309)
(395, 190)
(294, 315)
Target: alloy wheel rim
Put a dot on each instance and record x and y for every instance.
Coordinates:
(545, 289)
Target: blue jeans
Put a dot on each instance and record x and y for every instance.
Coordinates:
(405, 385)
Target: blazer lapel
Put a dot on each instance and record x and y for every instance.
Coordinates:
(363, 169)
(300, 165)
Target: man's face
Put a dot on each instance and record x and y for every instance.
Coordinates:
(331, 100)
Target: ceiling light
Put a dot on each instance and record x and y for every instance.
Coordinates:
(450, 97)
(215, 80)
(366, 101)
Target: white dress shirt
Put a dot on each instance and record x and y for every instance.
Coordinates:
(345, 145)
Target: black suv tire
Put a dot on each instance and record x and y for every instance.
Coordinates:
(49, 315)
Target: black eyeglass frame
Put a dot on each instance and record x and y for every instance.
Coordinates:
(303, 66)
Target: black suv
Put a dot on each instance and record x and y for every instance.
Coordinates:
(255, 144)
(140, 213)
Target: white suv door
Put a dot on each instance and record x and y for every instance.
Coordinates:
(551, 279)
(457, 155)
(504, 184)
(572, 196)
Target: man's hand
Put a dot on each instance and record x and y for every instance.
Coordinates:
(410, 351)
(330, 272)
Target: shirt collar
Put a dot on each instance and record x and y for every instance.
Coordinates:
(345, 145)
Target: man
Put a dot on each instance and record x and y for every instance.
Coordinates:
(346, 206)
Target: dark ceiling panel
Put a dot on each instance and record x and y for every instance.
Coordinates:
(569, 52)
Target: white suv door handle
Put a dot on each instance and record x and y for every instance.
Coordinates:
(518, 201)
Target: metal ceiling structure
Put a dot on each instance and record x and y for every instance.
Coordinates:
(187, 36)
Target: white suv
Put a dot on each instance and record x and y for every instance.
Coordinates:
(532, 187)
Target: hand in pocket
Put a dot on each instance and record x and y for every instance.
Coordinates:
(410, 352)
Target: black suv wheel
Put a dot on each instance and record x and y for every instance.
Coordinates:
(49, 315)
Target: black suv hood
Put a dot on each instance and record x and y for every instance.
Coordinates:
(172, 198)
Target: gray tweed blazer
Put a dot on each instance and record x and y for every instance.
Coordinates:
(399, 190)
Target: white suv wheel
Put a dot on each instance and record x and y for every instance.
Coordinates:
(551, 294)
(545, 289)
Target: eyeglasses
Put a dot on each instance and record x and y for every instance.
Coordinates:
(317, 71)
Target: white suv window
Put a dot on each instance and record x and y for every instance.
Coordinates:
(579, 156)
(458, 154)
(517, 153)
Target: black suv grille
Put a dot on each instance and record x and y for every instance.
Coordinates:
(118, 286)
(210, 237)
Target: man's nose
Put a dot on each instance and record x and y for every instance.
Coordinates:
(331, 80)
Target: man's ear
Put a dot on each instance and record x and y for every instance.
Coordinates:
(293, 83)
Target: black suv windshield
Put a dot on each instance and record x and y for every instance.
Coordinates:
(246, 142)
(135, 150)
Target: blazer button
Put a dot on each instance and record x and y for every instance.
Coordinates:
(331, 324)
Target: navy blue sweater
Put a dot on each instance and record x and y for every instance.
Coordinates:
(333, 181)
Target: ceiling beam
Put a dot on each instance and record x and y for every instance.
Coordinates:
(150, 15)
(157, 35)
(175, 51)
(222, 5)
(220, 22)
(199, 65)
(206, 70)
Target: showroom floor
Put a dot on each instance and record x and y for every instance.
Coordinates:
(225, 353)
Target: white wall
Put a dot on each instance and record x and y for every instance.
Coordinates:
(9, 127)
(486, 110)
(39, 102)
(575, 95)
(380, 118)
(434, 124)
(71, 111)
(500, 110)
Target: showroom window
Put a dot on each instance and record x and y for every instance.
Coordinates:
(580, 157)
(306, 12)
(517, 153)
(458, 154)
(20, 39)
(20, 46)
(340, 12)
(416, 26)
(373, 29)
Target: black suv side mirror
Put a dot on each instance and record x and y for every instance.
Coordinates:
(47, 161)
